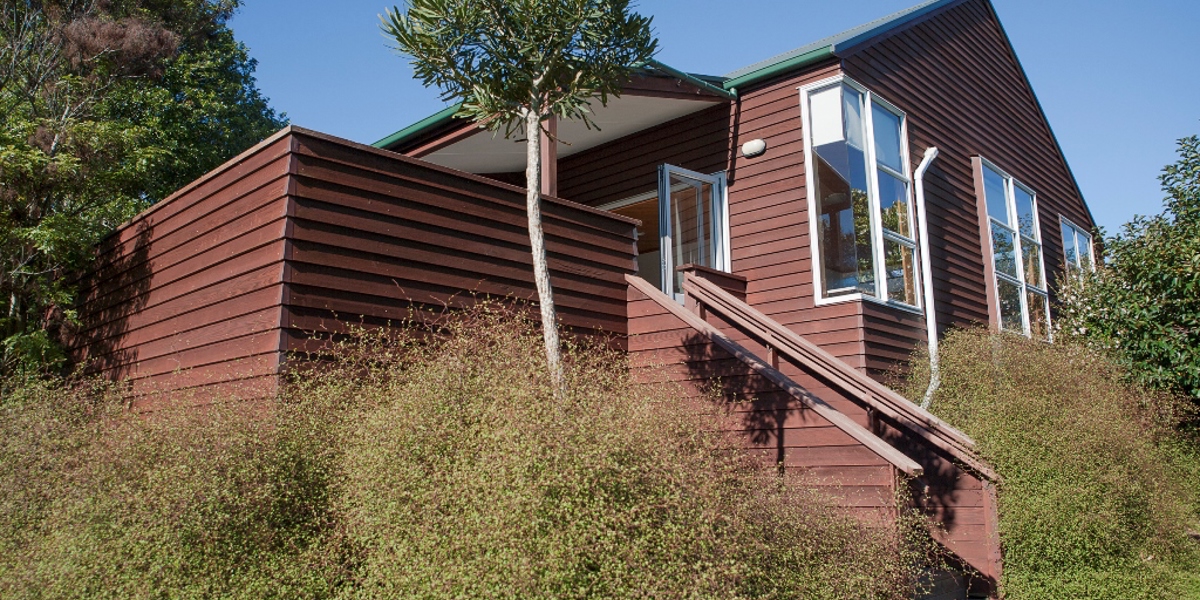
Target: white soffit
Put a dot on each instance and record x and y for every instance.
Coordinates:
(485, 153)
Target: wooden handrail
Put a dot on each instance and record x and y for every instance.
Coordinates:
(905, 464)
(785, 343)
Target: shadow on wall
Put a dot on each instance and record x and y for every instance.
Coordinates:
(754, 406)
(770, 421)
(110, 295)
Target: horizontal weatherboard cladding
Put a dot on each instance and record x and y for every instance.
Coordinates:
(213, 287)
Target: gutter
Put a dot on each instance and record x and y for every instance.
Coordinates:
(438, 118)
(723, 92)
(790, 64)
(931, 332)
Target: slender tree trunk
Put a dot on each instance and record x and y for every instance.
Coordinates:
(537, 242)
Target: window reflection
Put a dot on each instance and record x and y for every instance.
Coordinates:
(691, 220)
(1032, 257)
(1039, 321)
(1003, 249)
(893, 204)
(855, 200)
(1024, 203)
(1010, 306)
(843, 205)
(900, 262)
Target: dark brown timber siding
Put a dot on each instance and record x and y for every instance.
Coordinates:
(373, 232)
(307, 232)
(963, 91)
(187, 294)
(629, 166)
(767, 209)
(765, 420)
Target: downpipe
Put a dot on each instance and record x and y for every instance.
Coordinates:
(935, 378)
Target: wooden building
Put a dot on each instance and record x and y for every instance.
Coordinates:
(794, 228)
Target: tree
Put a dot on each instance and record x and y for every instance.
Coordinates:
(516, 63)
(105, 107)
(1143, 304)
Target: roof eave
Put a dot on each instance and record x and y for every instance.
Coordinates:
(791, 64)
(428, 123)
(445, 115)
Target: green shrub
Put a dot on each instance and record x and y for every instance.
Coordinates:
(464, 477)
(427, 463)
(97, 501)
(1095, 500)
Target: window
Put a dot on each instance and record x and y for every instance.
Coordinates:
(1077, 247)
(859, 190)
(1020, 286)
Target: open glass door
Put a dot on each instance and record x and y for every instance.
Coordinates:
(692, 216)
(683, 221)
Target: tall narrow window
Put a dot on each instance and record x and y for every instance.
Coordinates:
(859, 190)
(858, 195)
(1077, 247)
(1016, 254)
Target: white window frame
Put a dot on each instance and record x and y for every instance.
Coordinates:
(877, 233)
(1079, 232)
(1010, 185)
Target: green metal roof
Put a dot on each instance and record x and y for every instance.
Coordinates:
(727, 85)
(830, 46)
(419, 127)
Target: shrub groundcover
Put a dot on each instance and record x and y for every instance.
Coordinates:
(424, 462)
(1100, 481)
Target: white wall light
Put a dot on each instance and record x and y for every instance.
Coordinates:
(753, 148)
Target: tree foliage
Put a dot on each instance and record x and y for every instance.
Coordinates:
(105, 107)
(516, 63)
(1143, 304)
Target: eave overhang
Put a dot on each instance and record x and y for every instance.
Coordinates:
(655, 95)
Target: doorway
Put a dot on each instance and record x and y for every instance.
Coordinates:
(686, 215)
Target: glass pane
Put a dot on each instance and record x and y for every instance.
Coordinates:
(993, 190)
(842, 205)
(1031, 256)
(852, 103)
(1004, 250)
(691, 225)
(1010, 305)
(825, 114)
(649, 260)
(900, 262)
(1085, 251)
(887, 137)
(1070, 257)
(1039, 320)
(1025, 212)
(893, 202)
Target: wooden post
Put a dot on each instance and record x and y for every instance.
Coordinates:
(550, 157)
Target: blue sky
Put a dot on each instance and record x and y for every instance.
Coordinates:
(1117, 79)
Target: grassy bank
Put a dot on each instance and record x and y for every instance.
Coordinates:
(1101, 484)
(423, 466)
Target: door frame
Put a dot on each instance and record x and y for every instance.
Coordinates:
(718, 230)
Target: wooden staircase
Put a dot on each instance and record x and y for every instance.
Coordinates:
(813, 415)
